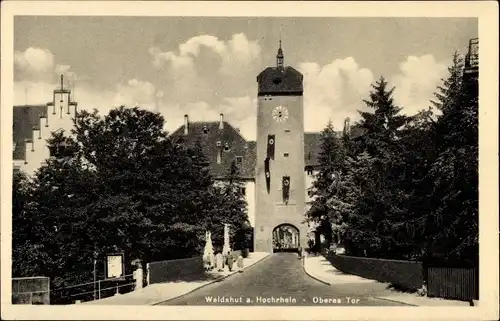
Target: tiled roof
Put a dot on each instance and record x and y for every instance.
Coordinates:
(274, 80)
(238, 147)
(26, 118)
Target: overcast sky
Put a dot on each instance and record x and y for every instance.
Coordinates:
(206, 66)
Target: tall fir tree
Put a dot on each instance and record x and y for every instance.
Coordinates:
(381, 198)
(452, 225)
(331, 163)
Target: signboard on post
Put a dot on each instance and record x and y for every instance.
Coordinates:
(115, 266)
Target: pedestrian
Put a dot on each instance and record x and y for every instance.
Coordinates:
(239, 262)
(212, 261)
(300, 252)
(219, 260)
(230, 261)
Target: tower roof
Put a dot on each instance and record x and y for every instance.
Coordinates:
(280, 80)
(280, 52)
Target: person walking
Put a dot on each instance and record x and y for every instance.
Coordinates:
(239, 263)
(230, 261)
(219, 260)
(299, 252)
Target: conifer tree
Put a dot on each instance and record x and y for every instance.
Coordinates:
(331, 159)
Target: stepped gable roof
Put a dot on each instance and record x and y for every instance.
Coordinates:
(26, 118)
(238, 146)
(277, 80)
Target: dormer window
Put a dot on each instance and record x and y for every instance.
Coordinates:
(226, 147)
(205, 130)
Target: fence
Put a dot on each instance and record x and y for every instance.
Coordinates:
(453, 283)
(448, 282)
(89, 291)
(31, 290)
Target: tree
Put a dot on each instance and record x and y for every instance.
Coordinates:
(452, 224)
(115, 183)
(231, 209)
(379, 210)
(331, 165)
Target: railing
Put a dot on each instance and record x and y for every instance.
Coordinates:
(94, 290)
(453, 283)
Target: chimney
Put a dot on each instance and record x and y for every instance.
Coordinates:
(221, 123)
(186, 125)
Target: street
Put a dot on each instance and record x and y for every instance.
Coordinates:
(280, 280)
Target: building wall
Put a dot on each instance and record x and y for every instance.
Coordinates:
(270, 209)
(59, 117)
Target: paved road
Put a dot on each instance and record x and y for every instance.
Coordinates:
(280, 280)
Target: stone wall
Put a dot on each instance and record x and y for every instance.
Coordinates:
(404, 274)
(175, 270)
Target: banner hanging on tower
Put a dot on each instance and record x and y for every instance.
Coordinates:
(286, 189)
(268, 175)
(271, 141)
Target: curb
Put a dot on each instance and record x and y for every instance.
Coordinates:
(209, 283)
(396, 301)
(311, 276)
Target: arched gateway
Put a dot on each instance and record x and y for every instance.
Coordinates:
(286, 238)
(279, 170)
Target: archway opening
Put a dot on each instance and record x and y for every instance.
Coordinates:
(286, 238)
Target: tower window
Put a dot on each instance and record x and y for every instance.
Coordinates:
(226, 147)
(285, 154)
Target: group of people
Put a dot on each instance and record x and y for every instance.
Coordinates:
(219, 261)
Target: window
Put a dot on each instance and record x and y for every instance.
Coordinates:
(285, 154)
(309, 172)
(287, 130)
(239, 160)
(309, 156)
(226, 147)
(219, 144)
(205, 130)
(243, 191)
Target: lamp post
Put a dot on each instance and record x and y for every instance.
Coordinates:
(95, 275)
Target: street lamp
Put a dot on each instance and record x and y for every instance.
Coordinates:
(95, 275)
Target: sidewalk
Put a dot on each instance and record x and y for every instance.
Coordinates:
(159, 292)
(319, 268)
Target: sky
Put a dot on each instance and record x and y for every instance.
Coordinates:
(206, 66)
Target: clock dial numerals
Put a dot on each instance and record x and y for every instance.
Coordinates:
(280, 114)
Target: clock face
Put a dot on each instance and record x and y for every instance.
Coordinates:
(280, 114)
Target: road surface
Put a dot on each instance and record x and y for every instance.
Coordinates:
(280, 280)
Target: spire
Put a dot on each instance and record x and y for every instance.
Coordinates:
(62, 81)
(280, 57)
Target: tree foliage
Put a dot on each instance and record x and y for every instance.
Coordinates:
(116, 183)
(408, 185)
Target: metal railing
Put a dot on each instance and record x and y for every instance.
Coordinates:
(94, 290)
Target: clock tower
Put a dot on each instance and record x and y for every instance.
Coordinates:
(280, 180)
